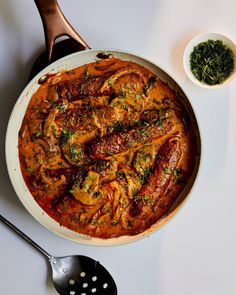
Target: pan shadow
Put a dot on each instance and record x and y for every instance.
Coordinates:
(12, 83)
(213, 132)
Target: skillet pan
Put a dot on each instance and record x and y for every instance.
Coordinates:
(67, 63)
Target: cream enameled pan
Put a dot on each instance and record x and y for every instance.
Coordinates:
(15, 121)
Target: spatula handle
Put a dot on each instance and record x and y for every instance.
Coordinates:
(24, 236)
(56, 25)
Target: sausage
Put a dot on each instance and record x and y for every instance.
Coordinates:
(153, 190)
(106, 169)
(80, 88)
(102, 147)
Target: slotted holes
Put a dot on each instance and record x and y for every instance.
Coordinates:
(86, 285)
(71, 282)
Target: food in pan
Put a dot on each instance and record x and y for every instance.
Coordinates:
(106, 148)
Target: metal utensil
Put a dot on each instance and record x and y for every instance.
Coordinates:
(74, 275)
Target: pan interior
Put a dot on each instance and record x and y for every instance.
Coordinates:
(15, 121)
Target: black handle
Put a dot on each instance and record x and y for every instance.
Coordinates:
(25, 237)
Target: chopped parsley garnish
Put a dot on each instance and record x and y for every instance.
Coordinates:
(62, 107)
(66, 135)
(110, 82)
(120, 174)
(122, 93)
(159, 122)
(114, 222)
(150, 83)
(86, 74)
(167, 170)
(130, 223)
(138, 96)
(211, 62)
(30, 170)
(37, 135)
(178, 175)
(76, 152)
(117, 126)
(94, 221)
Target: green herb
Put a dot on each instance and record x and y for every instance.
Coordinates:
(82, 210)
(147, 172)
(156, 101)
(178, 175)
(159, 122)
(36, 135)
(86, 73)
(136, 198)
(146, 198)
(94, 221)
(76, 152)
(45, 188)
(66, 135)
(117, 126)
(138, 96)
(47, 100)
(130, 223)
(120, 174)
(62, 108)
(65, 205)
(30, 170)
(143, 131)
(107, 209)
(150, 83)
(127, 86)
(211, 62)
(114, 222)
(122, 93)
(74, 217)
(124, 107)
(110, 152)
(110, 82)
(167, 170)
(41, 115)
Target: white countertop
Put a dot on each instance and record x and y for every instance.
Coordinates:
(193, 254)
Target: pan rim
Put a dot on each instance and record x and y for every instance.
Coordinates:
(11, 146)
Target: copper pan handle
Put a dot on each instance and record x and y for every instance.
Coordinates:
(56, 25)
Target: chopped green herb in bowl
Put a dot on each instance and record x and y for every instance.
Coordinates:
(212, 62)
(209, 60)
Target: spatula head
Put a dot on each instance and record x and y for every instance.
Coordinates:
(81, 275)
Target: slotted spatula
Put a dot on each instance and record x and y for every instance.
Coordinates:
(74, 275)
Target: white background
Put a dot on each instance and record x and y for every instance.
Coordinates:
(196, 252)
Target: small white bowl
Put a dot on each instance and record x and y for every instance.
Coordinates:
(202, 38)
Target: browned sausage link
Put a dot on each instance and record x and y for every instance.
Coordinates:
(152, 191)
(80, 88)
(103, 147)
